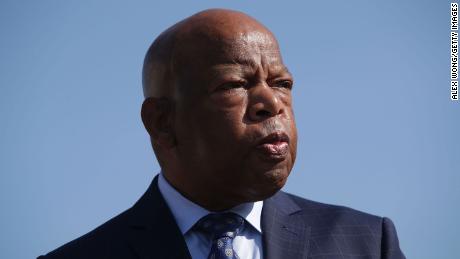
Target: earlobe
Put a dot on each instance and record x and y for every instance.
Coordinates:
(157, 115)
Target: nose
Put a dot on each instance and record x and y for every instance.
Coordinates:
(263, 103)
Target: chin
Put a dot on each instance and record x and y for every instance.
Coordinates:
(272, 181)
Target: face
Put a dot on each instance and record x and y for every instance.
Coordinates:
(234, 124)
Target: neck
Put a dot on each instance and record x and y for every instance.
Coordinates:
(201, 195)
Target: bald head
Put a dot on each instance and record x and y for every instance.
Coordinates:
(193, 41)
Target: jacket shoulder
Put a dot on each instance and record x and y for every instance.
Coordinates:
(337, 213)
(98, 243)
(333, 226)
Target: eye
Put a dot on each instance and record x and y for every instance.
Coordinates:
(232, 85)
(283, 84)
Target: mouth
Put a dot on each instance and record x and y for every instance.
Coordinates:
(274, 147)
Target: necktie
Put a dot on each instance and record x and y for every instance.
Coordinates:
(222, 227)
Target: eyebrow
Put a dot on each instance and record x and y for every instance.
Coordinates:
(243, 61)
(252, 64)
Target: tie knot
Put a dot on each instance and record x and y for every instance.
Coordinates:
(221, 224)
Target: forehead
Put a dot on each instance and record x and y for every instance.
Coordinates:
(242, 49)
(248, 49)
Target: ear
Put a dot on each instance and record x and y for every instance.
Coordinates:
(158, 118)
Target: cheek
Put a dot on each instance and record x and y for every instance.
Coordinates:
(218, 125)
(228, 99)
(293, 136)
(226, 111)
(227, 128)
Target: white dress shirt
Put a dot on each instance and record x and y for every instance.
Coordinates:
(247, 244)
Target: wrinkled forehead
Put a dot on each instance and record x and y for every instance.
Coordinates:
(250, 47)
(256, 45)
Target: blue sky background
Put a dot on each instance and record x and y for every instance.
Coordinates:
(377, 129)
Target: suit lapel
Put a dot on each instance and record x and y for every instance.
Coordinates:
(153, 230)
(284, 233)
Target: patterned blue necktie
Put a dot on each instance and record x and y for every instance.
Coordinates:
(222, 227)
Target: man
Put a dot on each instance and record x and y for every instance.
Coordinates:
(219, 113)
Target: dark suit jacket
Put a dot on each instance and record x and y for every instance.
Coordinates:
(292, 228)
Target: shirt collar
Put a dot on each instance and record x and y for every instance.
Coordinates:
(187, 213)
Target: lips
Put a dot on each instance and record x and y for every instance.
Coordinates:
(274, 147)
